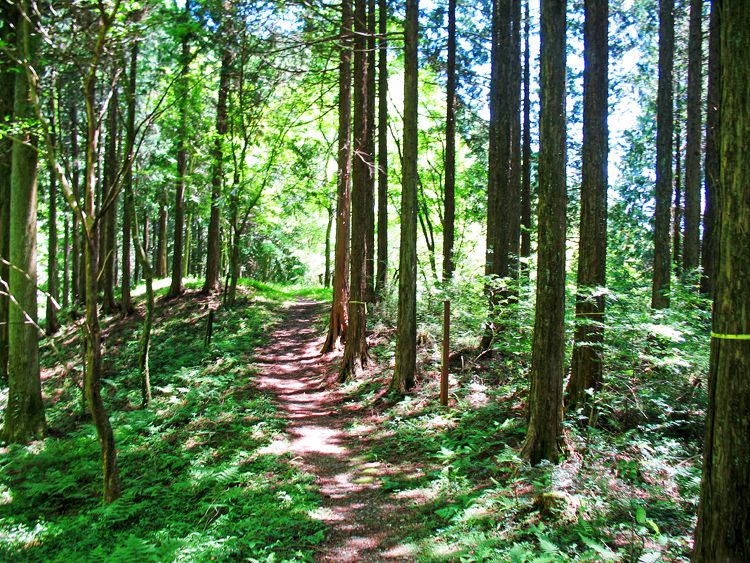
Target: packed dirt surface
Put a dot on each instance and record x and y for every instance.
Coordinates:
(365, 522)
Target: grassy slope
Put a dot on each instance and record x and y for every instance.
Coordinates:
(196, 482)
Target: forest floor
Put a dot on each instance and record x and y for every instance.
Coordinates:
(365, 522)
(251, 450)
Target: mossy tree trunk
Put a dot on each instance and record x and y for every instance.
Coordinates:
(24, 413)
(406, 344)
(548, 347)
(723, 515)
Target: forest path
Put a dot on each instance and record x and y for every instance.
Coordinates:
(364, 522)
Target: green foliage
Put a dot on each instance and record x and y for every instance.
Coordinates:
(197, 485)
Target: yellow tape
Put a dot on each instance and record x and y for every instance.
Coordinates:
(359, 303)
(730, 336)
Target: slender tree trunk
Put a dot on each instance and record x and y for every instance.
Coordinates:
(449, 217)
(664, 123)
(382, 269)
(677, 209)
(355, 352)
(690, 258)
(161, 244)
(586, 365)
(53, 273)
(339, 321)
(24, 413)
(329, 228)
(109, 210)
(723, 514)
(77, 279)
(526, 163)
(711, 165)
(370, 152)
(176, 288)
(66, 263)
(548, 348)
(129, 207)
(7, 88)
(406, 343)
(514, 117)
(92, 375)
(213, 259)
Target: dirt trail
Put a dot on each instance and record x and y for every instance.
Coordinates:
(365, 523)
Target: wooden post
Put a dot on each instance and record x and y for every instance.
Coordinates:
(446, 352)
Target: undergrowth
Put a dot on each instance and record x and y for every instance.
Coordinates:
(196, 483)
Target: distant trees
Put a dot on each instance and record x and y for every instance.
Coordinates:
(721, 533)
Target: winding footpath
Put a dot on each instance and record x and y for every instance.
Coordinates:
(364, 522)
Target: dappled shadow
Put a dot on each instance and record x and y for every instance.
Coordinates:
(365, 522)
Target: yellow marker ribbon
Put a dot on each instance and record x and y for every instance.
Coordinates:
(359, 303)
(730, 336)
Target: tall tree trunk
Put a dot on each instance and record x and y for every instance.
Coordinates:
(161, 243)
(382, 269)
(588, 352)
(339, 320)
(53, 273)
(406, 342)
(548, 348)
(129, 205)
(24, 413)
(711, 165)
(514, 117)
(449, 217)
(109, 210)
(213, 259)
(355, 352)
(677, 208)
(370, 153)
(176, 288)
(526, 166)
(93, 367)
(723, 516)
(693, 149)
(498, 186)
(664, 123)
(7, 88)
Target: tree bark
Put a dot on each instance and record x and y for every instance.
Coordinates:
(449, 217)
(77, 229)
(370, 153)
(66, 263)
(664, 124)
(109, 210)
(526, 163)
(355, 352)
(93, 367)
(548, 348)
(24, 413)
(213, 259)
(586, 364)
(161, 243)
(129, 205)
(337, 326)
(723, 514)
(7, 88)
(406, 342)
(381, 277)
(329, 228)
(711, 164)
(52, 325)
(691, 245)
(176, 288)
